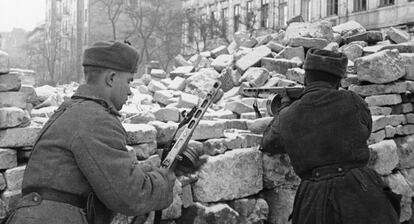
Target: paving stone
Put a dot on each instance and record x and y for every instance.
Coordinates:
(320, 29)
(240, 124)
(238, 107)
(398, 184)
(408, 61)
(255, 76)
(376, 137)
(405, 146)
(382, 67)
(13, 117)
(384, 157)
(181, 71)
(307, 42)
(188, 100)
(383, 100)
(275, 47)
(223, 61)
(375, 110)
(407, 47)
(4, 63)
(280, 201)
(164, 97)
(218, 213)
(164, 131)
(14, 178)
(140, 133)
(240, 172)
(278, 65)
(252, 58)
(167, 114)
(251, 210)
(19, 137)
(8, 158)
(13, 99)
(398, 36)
(348, 28)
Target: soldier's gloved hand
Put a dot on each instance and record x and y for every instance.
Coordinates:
(171, 181)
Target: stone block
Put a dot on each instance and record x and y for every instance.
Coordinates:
(251, 210)
(145, 150)
(218, 146)
(240, 172)
(181, 71)
(14, 178)
(348, 28)
(349, 80)
(405, 149)
(19, 137)
(403, 108)
(180, 61)
(174, 210)
(10, 198)
(44, 111)
(4, 63)
(264, 39)
(3, 184)
(378, 89)
(384, 157)
(375, 110)
(307, 42)
(242, 38)
(376, 137)
(409, 118)
(219, 213)
(219, 51)
(187, 100)
(408, 61)
(398, 36)
(155, 85)
(405, 129)
(379, 122)
(280, 201)
(371, 37)
(280, 65)
(275, 47)
(178, 83)
(13, 117)
(187, 196)
(258, 126)
(239, 124)
(291, 52)
(233, 47)
(332, 46)
(407, 47)
(208, 130)
(223, 61)
(407, 97)
(256, 77)
(200, 83)
(164, 131)
(398, 184)
(10, 82)
(352, 51)
(321, 29)
(278, 171)
(381, 67)
(390, 131)
(164, 97)
(252, 58)
(222, 114)
(296, 74)
(140, 133)
(383, 100)
(158, 73)
(167, 114)
(13, 99)
(238, 107)
(8, 158)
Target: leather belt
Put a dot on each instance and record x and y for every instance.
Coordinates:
(330, 171)
(56, 195)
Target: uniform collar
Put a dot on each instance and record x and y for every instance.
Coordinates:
(89, 92)
(315, 86)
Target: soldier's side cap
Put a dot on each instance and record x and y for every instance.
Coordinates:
(331, 62)
(112, 55)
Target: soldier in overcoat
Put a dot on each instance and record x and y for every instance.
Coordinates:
(325, 134)
(80, 170)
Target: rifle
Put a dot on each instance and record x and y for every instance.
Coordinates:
(274, 97)
(178, 151)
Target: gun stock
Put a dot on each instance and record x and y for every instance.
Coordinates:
(264, 92)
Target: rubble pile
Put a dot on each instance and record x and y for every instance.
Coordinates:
(238, 183)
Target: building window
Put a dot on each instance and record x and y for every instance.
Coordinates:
(283, 13)
(236, 17)
(249, 15)
(360, 5)
(265, 13)
(332, 7)
(306, 10)
(386, 2)
(224, 16)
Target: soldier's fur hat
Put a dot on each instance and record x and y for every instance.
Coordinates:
(113, 55)
(334, 63)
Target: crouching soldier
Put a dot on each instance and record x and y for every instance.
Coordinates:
(80, 170)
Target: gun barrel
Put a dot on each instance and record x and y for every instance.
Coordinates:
(293, 92)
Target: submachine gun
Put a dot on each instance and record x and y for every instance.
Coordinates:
(274, 96)
(179, 151)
